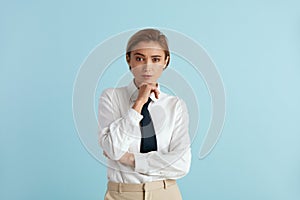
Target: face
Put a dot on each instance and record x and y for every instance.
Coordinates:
(147, 62)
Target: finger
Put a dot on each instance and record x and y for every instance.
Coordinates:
(142, 85)
(156, 93)
(146, 89)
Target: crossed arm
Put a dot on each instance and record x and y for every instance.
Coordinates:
(115, 137)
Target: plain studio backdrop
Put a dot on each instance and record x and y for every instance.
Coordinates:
(254, 44)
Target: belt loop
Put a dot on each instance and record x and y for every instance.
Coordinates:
(165, 184)
(119, 188)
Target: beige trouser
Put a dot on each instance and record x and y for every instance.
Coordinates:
(156, 190)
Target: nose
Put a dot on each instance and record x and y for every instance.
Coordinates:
(147, 64)
(148, 61)
(147, 67)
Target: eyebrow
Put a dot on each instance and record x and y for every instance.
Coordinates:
(144, 55)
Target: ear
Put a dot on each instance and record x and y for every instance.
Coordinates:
(166, 61)
(127, 58)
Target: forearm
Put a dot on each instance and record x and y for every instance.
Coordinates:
(137, 106)
(170, 165)
(116, 138)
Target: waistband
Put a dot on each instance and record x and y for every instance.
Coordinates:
(127, 187)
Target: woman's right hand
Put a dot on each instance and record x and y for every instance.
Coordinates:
(145, 89)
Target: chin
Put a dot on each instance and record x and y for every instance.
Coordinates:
(150, 81)
(147, 80)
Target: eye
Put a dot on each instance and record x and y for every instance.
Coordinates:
(156, 59)
(139, 59)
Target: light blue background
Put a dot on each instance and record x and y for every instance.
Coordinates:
(254, 44)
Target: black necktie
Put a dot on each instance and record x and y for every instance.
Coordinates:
(148, 142)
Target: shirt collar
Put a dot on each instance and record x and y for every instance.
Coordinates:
(134, 92)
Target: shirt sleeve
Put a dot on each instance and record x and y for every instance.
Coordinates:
(176, 162)
(116, 132)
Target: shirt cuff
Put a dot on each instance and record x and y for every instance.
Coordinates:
(134, 117)
(141, 164)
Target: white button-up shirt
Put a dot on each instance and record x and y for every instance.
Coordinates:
(119, 132)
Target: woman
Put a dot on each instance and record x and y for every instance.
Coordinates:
(143, 131)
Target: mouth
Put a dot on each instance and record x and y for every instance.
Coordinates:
(146, 76)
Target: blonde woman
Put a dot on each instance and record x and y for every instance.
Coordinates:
(143, 131)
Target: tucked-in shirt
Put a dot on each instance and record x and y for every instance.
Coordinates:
(119, 132)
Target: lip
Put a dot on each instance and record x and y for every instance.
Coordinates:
(146, 76)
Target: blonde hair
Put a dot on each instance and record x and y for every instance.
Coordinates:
(148, 35)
